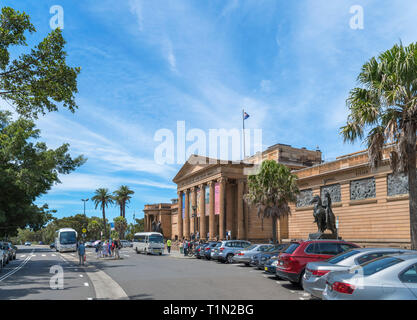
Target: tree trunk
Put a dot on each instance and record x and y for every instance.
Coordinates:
(274, 229)
(412, 184)
(104, 222)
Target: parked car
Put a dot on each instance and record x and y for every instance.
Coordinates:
(268, 254)
(3, 257)
(271, 264)
(41, 242)
(244, 256)
(314, 280)
(199, 250)
(214, 252)
(391, 277)
(52, 245)
(12, 249)
(27, 243)
(293, 260)
(10, 252)
(208, 249)
(228, 248)
(89, 244)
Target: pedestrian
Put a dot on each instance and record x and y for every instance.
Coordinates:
(109, 248)
(81, 253)
(182, 247)
(271, 241)
(98, 250)
(116, 248)
(113, 248)
(104, 249)
(185, 247)
(169, 245)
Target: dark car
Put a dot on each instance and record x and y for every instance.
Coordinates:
(293, 260)
(258, 260)
(273, 252)
(199, 250)
(52, 245)
(207, 249)
(271, 264)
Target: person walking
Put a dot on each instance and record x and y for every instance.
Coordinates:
(81, 253)
(185, 247)
(169, 245)
(116, 248)
(109, 248)
(182, 247)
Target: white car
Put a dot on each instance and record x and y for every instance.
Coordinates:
(27, 243)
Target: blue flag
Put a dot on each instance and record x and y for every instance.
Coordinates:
(245, 116)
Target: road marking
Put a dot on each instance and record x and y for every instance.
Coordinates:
(89, 298)
(278, 282)
(54, 255)
(81, 276)
(86, 284)
(33, 255)
(16, 269)
(22, 256)
(292, 291)
(44, 255)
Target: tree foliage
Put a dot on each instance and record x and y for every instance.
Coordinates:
(37, 81)
(28, 169)
(120, 225)
(271, 191)
(385, 106)
(102, 198)
(122, 197)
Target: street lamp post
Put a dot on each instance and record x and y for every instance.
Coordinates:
(84, 200)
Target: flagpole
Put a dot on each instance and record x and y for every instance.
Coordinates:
(243, 133)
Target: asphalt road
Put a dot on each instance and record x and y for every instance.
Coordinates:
(29, 277)
(137, 276)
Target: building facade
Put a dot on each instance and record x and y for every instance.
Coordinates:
(371, 205)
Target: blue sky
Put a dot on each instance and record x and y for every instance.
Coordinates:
(147, 64)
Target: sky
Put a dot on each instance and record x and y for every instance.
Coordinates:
(148, 64)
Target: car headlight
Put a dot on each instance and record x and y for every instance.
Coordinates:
(274, 263)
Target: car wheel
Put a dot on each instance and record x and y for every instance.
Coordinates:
(229, 258)
(136, 249)
(301, 281)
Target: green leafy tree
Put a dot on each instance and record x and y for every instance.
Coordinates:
(94, 229)
(122, 196)
(385, 106)
(34, 82)
(28, 169)
(102, 198)
(120, 225)
(271, 191)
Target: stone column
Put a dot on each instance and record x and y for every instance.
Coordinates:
(187, 215)
(240, 217)
(229, 208)
(222, 182)
(203, 232)
(179, 220)
(193, 203)
(211, 211)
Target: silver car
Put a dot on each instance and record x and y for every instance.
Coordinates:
(314, 279)
(244, 256)
(229, 248)
(391, 277)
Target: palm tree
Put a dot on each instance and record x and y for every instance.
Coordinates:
(386, 105)
(122, 196)
(102, 198)
(271, 191)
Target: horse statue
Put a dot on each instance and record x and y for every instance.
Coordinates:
(319, 213)
(323, 214)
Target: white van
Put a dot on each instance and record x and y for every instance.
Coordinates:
(148, 242)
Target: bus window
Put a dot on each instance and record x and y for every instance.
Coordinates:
(156, 239)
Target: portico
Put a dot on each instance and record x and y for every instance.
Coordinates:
(210, 199)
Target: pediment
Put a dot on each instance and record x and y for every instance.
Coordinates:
(193, 165)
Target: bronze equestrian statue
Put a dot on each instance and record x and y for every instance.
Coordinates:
(323, 214)
(156, 227)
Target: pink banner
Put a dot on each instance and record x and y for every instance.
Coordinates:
(198, 203)
(217, 198)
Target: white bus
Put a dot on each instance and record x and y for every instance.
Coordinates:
(66, 240)
(148, 242)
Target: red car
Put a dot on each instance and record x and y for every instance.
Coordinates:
(293, 260)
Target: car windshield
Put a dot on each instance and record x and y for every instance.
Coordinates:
(67, 237)
(265, 248)
(251, 247)
(291, 248)
(375, 266)
(156, 239)
(342, 256)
